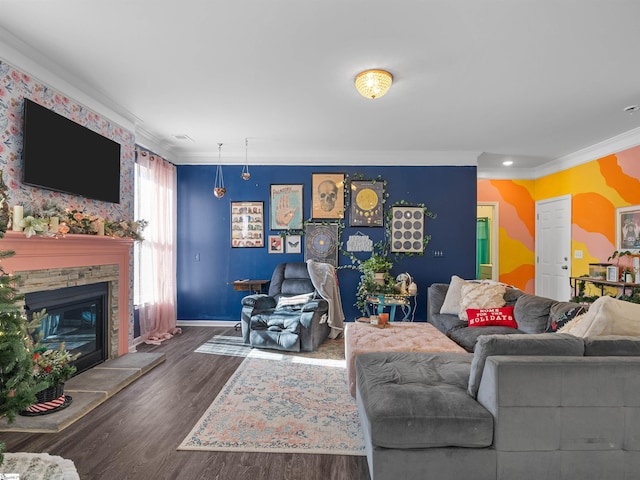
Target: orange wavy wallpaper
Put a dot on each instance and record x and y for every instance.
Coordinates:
(597, 188)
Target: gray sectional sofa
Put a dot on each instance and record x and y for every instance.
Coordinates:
(547, 406)
(520, 404)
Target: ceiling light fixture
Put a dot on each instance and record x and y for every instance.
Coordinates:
(218, 184)
(373, 83)
(631, 109)
(507, 163)
(245, 170)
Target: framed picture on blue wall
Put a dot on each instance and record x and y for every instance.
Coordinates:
(247, 224)
(286, 210)
(327, 195)
(367, 203)
(321, 242)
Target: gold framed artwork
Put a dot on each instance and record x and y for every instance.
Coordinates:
(327, 195)
(247, 224)
(628, 228)
(286, 207)
(367, 206)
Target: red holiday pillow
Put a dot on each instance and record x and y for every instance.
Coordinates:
(485, 317)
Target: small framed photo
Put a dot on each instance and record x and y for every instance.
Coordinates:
(327, 195)
(628, 228)
(276, 244)
(286, 207)
(367, 203)
(247, 224)
(612, 274)
(293, 243)
(321, 243)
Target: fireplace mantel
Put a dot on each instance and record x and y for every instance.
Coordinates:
(39, 253)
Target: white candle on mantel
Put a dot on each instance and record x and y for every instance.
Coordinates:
(17, 218)
(54, 223)
(100, 227)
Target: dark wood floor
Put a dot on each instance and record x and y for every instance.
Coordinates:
(134, 435)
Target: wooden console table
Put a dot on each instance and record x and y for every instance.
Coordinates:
(601, 284)
(254, 286)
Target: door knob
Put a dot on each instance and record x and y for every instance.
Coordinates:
(564, 267)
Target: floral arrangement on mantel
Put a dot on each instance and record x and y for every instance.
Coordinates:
(50, 221)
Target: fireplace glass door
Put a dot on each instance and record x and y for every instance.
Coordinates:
(75, 316)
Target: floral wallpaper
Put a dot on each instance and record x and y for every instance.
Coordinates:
(16, 85)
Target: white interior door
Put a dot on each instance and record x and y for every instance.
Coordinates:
(553, 248)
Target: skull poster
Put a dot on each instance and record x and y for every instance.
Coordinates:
(327, 195)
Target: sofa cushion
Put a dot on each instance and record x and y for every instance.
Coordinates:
(467, 337)
(419, 400)
(612, 345)
(532, 313)
(481, 295)
(543, 344)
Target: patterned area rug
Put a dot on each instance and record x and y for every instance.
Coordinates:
(37, 466)
(281, 402)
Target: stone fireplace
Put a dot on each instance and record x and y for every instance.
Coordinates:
(45, 263)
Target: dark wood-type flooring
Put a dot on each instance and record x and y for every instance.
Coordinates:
(135, 434)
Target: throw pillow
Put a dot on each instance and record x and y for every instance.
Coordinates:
(491, 317)
(480, 295)
(561, 313)
(451, 304)
(294, 302)
(609, 316)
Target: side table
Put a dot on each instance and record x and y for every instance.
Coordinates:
(404, 301)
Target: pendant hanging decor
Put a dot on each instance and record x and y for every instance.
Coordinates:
(245, 170)
(218, 184)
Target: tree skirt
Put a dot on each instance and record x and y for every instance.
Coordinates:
(38, 466)
(282, 403)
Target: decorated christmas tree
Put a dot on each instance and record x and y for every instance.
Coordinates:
(17, 383)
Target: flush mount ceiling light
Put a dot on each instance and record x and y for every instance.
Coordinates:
(373, 83)
(507, 163)
(218, 184)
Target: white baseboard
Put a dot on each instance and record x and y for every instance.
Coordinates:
(207, 323)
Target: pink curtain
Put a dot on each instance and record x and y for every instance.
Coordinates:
(155, 269)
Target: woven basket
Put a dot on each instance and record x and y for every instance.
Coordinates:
(49, 394)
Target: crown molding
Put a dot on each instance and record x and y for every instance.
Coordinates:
(25, 58)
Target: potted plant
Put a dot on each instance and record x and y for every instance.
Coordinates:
(52, 367)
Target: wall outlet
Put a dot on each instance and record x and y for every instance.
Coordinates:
(577, 254)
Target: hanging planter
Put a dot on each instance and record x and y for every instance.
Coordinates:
(218, 185)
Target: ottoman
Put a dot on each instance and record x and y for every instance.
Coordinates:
(363, 337)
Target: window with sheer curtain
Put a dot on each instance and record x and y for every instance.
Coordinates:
(155, 256)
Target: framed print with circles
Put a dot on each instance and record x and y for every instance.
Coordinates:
(321, 243)
(367, 206)
(407, 229)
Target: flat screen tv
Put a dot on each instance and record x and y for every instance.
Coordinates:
(60, 154)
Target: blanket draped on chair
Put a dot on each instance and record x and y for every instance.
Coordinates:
(324, 279)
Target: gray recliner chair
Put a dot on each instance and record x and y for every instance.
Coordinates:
(291, 317)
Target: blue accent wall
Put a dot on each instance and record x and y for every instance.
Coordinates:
(207, 263)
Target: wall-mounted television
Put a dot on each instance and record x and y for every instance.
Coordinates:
(62, 155)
